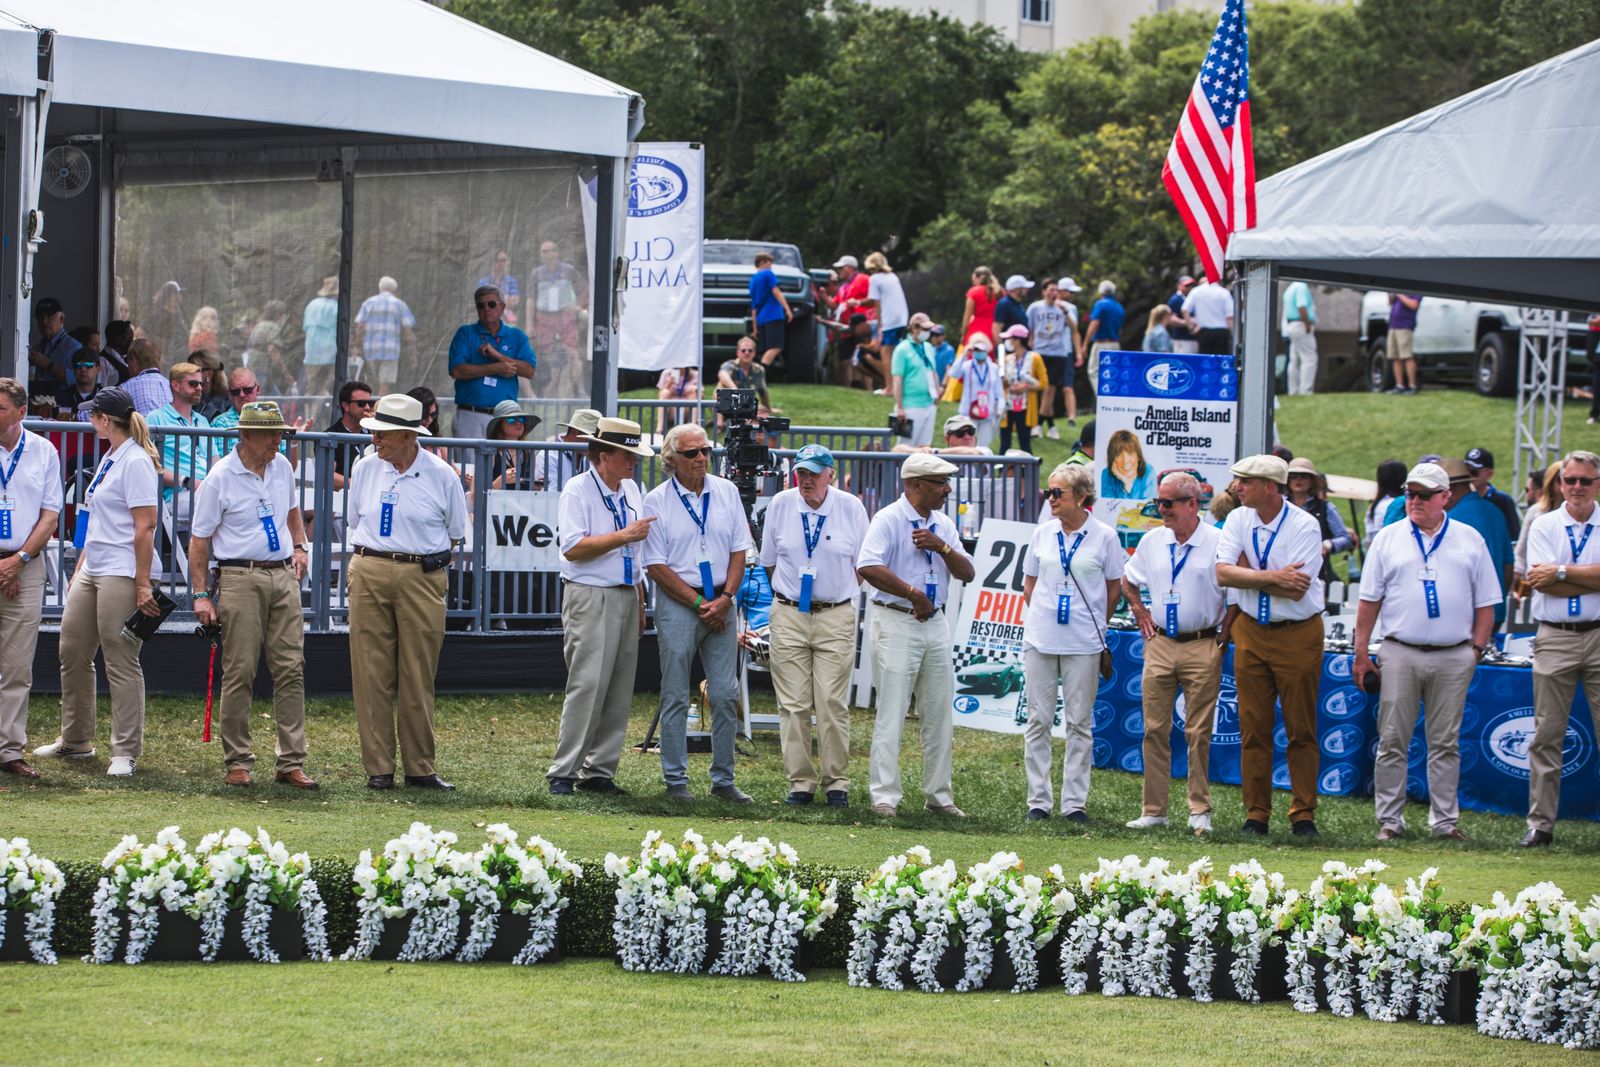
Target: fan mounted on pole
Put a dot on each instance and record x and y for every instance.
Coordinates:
(67, 171)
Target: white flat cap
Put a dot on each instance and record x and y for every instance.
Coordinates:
(1265, 465)
(926, 465)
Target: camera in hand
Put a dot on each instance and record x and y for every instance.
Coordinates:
(746, 457)
(900, 426)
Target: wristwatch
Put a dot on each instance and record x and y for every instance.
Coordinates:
(24, 556)
(944, 550)
(1561, 573)
(304, 546)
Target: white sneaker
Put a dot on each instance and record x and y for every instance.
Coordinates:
(121, 767)
(1053, 433)
(59, 748)
(1145, 822)
(1200, 824)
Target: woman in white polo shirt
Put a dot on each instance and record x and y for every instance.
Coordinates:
(115, 535)
(1072, 580)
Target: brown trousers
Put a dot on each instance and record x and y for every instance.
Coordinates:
(19, 636)
(260, 611)
(1278, 663)
(1196, 667)
(396, 631)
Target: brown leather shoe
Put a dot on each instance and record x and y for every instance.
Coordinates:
(19, 767)
(238, 777)
(296, 778)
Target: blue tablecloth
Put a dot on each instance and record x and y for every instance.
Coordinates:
(1495, 731)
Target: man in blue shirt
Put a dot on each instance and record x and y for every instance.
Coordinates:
(1009, 310)
(1468, 507)
(1105, 327)
(769, 311)
(486, 359)
(1480, 461)
(52, 359)
(944, 354)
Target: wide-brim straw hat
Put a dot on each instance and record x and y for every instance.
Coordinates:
(621, 434)
(263, 415)
(396, 411)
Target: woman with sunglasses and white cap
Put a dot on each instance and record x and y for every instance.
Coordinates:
(406, 514)
(982, 393)
(1071, 582)
(115, 537)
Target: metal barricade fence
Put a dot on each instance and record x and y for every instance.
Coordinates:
(479, 599)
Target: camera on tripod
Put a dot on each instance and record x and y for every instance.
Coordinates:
(746, 457)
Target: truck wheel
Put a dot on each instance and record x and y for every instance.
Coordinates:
(1494, 372)
(1378, 365)
(800, 351)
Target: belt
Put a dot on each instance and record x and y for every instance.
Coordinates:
(398, 557)
(1432, 648)
(816, 605)
(619, 585)
(1196, 635)
(257, 564)
(1574, 627)
(1278, 625)
(904, 611)
(474, 407)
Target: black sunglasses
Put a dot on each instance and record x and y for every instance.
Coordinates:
(1055, 493)
(1163, 503)
(244, 390)
(1422, 494)
(1574, 479)
(691, 453)
(367, 403)
(488, 304)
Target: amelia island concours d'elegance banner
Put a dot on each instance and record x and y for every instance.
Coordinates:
(661, 303)
(1158, 413)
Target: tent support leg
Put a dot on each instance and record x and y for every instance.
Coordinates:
(1260, 292)
(602, 287)
(347, 252)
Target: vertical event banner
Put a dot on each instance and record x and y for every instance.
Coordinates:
(522, 530)
(662, 308)
(1157, 413)
(989, 690)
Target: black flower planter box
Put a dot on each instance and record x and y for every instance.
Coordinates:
(285, 935)
(1460, 1005)
(1272, 972)
(948, 970)
(176, 940)
(14, 945)
(1003, 974)
(510, 934)
(804, 956)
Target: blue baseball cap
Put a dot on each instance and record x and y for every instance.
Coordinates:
(814, 458)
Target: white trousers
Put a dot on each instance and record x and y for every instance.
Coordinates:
(1302, 372)
(911, 658)
(1078, 675)
(921, 425)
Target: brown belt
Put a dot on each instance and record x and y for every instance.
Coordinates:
(1197, 635)
(905, 611)
(398, 557)
(1574, 627)
(257, 564)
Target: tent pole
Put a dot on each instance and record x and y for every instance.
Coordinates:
(19, 133)
(602, 287)
(347, 245)
(1260, 291)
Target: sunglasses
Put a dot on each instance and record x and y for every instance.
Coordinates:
(1422, 494)
(1055, 493)
(1164, 503)
(691, 453)
(245, 391)
(962, 433)
(1573, 479)
(518, 420)
(194, 383)
(488, 304)
(367, 403)
(86, 366)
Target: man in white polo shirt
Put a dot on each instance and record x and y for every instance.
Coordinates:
(1564, 570)
(30, 501)
(1271, 552)
(911, 551)
(810, 539)
(1210, 307)
(602, 524)
(1429, 586)
(1184, 640)
(247, 524)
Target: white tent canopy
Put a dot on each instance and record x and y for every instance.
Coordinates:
(1491, 195)
(395, 67)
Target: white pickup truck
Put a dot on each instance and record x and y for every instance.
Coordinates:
(1456, 340)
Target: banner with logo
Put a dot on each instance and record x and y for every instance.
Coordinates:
(661, 306)
(522, 530)
(1157, 413)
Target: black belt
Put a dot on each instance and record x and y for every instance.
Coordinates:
(1432, 648)
(1279, 625)
(474, 407)
(398, 557)
(1196, 635)
(1574, 627)
(816, 605)
(904, 611)
(257, 564)
(619, 585)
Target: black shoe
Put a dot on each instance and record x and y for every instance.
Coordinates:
(1304, 828)
(1037, 815)
(380, 781)
(798, 799)
(838, 798)
(1536, 839)
(1076, 816)
(1254, 826)
(731, 793)
(427, 781)
(601, 785)
(561, 787)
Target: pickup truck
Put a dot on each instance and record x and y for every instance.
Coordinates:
(1461, 340)
(726, 272)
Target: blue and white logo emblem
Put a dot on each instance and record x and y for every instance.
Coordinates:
(1133, 760)
(1341, 741)
(655, 187)
(1339, 779)
(1168, 378)
(1344, 702)
(1339, 667)
(1509, 736)
(966, 705)
(1104, 714)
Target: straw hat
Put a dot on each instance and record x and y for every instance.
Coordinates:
(621, 434)
(396, 411)
(263, 415)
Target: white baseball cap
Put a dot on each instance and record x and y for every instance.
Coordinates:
(1069, 285)
(1429, 476)
(847, 261)
(1017, 281)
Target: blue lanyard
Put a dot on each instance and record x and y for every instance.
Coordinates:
(619, 519)
(105, 469)
(1178, 564)
(1171, 598)
(16, 457)
(1575, 603)
(1064, 596)
(1264, 603)
(981, 380)
(1427, 552)
(705, 507)
(1430, 585)
(813, 538)
(915, 525)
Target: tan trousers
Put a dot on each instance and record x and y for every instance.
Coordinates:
(1078, 676)
(1440, 680)
(811, 659)
(19, 636)
(396, 630)
(600, 640)
(97, 606)
(260, 610)
(1196, 668)
(1278, 663)
(1560, 660)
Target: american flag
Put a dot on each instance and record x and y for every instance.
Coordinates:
(1211, 169)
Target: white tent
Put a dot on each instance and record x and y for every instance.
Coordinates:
(1488, 196)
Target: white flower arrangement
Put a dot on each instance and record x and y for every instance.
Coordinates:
(29, 885)
(525, 878)
(667, 896)
(143, 880)
(1248, 901)
(1133, 911)
(256, 875)
(999, 903)
(1540, 955)
(909, 903)
(420, 874)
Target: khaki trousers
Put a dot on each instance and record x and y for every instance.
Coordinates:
(396, 630)
(911, 658)
(811, 659)
(260, 611)
(19, 636)
(1078, 675)
(97, 606)
(1439, 679)
(1196, 668)
(600, 640)
(1281, 663)
(1561, 659)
